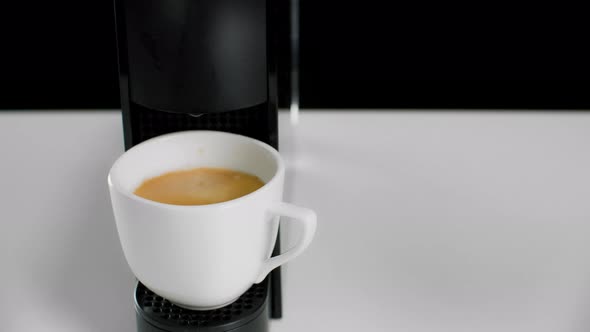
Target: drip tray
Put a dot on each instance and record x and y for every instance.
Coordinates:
(167, 316)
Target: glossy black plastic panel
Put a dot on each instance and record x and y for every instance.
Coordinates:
(197, 56)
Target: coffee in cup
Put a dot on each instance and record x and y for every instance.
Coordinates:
(198, 186)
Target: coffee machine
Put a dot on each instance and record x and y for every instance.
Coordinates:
(200, 65)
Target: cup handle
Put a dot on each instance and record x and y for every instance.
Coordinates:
(303, 215)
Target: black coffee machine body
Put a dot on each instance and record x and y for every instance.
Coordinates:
(200, 65)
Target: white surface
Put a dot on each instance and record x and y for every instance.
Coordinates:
(203, 257)
(427, 222)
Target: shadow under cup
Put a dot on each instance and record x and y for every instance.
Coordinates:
(199, 257)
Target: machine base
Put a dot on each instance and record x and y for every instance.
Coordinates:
(249, 313)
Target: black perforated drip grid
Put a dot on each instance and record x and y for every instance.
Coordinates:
(163, 311)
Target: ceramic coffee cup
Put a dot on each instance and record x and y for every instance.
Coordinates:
(203, 256)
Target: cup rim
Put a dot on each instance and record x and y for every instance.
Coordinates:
(265, 146)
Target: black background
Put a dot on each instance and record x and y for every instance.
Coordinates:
(370, 54)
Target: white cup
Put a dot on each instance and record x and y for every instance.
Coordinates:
(203, 257)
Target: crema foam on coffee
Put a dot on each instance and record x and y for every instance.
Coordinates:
(198, 186)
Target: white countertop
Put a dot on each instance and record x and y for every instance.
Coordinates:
(428, 221)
